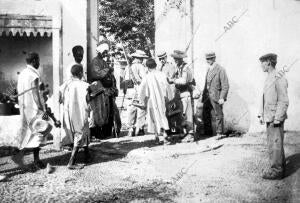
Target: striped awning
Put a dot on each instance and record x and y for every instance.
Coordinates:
(25, 25)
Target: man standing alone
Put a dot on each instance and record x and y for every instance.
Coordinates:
(214, 95)
(274, 104)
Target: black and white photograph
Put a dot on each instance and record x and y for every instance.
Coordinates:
(149, 101)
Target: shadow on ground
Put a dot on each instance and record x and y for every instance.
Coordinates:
(156, 191)
(292, 164)
(102, 152)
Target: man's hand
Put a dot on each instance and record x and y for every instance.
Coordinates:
(276, 122)
(221, 101)
(170, 81)
(196, 94)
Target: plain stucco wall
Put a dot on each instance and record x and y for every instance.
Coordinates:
(266, 26)
(74, 23)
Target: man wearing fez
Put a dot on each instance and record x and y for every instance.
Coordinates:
(214, 95)
(183, 84)
(102, 92)
(136, 72)
(274, 104)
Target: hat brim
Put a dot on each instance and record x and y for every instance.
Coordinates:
(178, 56)
(139, 56)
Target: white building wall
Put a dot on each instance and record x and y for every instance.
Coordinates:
(74, 24)
(266, 26)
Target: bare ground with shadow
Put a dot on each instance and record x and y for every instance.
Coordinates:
(137, 170)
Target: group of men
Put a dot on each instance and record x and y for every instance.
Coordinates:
(88, 107)
(178, 84)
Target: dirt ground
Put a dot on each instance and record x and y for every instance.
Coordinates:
(136, 170)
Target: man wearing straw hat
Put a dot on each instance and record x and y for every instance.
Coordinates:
(137, 116)
(182, 81)
(167, 68)
(214, 96)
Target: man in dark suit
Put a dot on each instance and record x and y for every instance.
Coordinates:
(214, 95)
(274, 104)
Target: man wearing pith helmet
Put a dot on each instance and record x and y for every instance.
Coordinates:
(214, 96)
(183, 83)
(274, 104)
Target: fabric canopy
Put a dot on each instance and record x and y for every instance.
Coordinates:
(25, 25)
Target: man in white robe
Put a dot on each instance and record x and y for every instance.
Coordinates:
(154, 94)
(31, 105)
(75, 115)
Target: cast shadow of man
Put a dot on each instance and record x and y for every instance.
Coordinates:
(292, 164)
(236, 113)
(101, 152)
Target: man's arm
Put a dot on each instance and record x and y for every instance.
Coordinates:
(282, 99)
(224, 84)
(99, 70)
(36, 94)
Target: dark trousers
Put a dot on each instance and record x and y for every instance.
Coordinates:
(275, 136)
(105, 131)
(213, 117)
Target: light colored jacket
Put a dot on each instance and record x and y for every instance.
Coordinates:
(275, 101)
(216, 83)
(169, 69)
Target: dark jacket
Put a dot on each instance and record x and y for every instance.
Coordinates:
(99, 70)
(103, 91)
(216, 86)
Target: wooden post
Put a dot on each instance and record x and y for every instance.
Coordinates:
(57, 69)
(92, 29)
(192, 31)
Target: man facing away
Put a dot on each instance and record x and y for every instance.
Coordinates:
(75, 113)
(31, 105)
(214, 96)
(274, 105)
(78, 56)
(136, 72)
(154, 94)
(182, 81)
